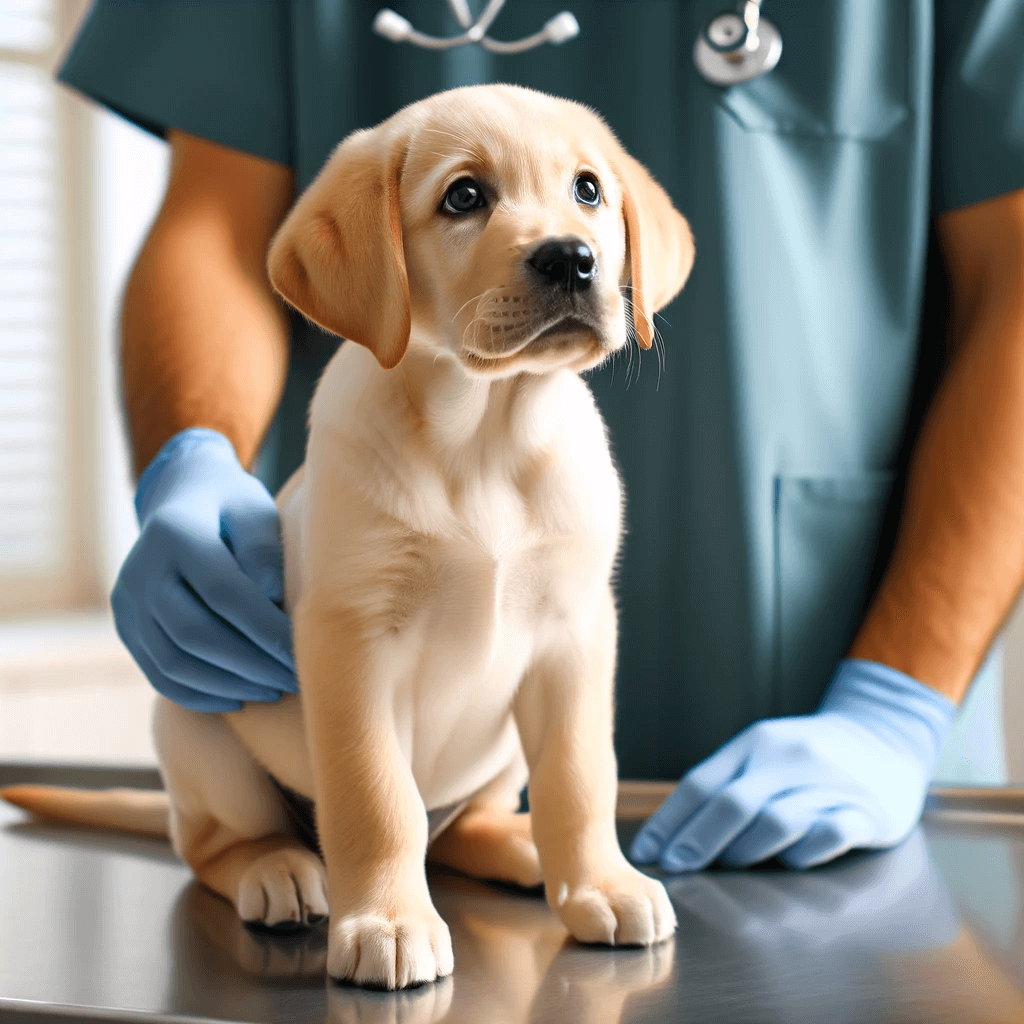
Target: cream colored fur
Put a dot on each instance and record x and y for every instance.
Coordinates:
(449, 544)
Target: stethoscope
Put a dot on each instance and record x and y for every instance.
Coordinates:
(733, 47)
(736, 46)
(396, 28)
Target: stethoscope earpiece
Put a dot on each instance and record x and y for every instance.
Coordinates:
(392, 26)
(736, 47)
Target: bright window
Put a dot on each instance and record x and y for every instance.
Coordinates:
(47, 330)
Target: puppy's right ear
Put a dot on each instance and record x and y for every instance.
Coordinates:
(338, 257)
(660, 242)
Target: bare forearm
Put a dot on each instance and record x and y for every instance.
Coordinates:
(959, 557)
(204, 341)
(202, 344)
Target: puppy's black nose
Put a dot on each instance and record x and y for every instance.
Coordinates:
(567, 262)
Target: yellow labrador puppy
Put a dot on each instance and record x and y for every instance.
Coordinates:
(449, 544)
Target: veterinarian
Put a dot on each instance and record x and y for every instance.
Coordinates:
(825, 478)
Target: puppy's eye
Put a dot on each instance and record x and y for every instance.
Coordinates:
(587, 190)
(464, 196)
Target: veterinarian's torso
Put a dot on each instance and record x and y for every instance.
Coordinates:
(760, 459)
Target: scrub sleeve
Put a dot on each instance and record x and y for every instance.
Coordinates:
(761, 457)
(218, 70)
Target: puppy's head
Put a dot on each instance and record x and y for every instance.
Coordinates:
(495, 223)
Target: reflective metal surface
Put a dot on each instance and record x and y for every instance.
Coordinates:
(99, 927)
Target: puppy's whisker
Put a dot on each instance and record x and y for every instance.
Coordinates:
(630, 308)
(634, 343)
(477, 299)
(481, 318)
(634, 339)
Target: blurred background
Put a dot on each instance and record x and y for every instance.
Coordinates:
(78, 190)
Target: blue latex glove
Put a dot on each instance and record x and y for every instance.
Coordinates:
(807, 789)
(197, 599)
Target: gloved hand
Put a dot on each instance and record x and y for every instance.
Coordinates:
(808, 788)
(197, 599)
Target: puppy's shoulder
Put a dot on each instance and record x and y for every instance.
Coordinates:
(347, 390)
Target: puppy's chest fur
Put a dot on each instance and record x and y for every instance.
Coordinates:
(482, 559)
(462, 555)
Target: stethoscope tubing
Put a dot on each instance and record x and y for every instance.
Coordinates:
(391, 25)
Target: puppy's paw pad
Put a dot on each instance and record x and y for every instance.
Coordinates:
(283, 891)
(626, 909)
(374, 952)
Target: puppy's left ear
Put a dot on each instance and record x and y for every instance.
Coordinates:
(659, 240)
(339, 258)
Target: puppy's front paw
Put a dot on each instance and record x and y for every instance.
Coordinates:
(283, 891)
(412, 947)
(620, 908)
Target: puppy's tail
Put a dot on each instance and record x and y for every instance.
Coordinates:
(139, 811)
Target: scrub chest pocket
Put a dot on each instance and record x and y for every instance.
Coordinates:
(843, 72)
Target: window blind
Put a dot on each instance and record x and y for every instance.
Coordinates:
(31, 410)
(26, 25)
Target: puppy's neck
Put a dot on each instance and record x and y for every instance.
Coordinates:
(460, 414)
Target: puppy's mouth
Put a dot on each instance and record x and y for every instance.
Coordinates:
(569, 329)
(567, 325)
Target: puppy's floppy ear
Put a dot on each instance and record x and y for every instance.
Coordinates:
(338, 256)
(659, 241)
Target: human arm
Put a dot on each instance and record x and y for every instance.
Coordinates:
(204, 345)
(204, 341)
(855, 774)
(958, 562)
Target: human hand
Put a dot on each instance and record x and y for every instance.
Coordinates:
(197, 599)
(807, 789)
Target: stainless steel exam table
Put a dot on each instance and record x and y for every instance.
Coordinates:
(106, 928)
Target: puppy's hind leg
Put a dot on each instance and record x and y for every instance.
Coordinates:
(228, 823)
(489, 839)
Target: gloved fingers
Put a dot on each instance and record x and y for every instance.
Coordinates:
(195, 630)
(696, 786)
(838, 830)
(147, 641)
(185, 696)
(782, 822)
(723, 816)
(214, 575)
(253, 534)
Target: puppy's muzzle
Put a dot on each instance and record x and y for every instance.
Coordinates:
(555, 309)
(568, 264)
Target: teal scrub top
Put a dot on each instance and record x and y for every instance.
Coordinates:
(763, 462)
